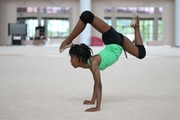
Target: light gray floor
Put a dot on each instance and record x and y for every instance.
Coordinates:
(38, 83)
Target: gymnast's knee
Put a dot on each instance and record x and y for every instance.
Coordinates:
(87, 17)
(141, 51)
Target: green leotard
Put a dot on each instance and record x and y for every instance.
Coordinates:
(109, 55)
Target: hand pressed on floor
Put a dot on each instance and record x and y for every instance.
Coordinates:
(88, 102)
(92, 109)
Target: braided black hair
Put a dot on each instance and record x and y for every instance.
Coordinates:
(81, 51)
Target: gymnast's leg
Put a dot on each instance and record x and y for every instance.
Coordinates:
(138, 49)
(85, 17)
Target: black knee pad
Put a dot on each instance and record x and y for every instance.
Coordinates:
(142, 51)
(87, 17)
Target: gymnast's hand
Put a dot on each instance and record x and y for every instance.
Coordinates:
(64, 45)
(88, 102)
(92, 109)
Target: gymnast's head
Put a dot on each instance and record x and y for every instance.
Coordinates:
(79, 54)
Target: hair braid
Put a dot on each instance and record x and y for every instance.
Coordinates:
(81, 51)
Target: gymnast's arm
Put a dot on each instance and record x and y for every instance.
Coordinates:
(97, 95)
(93, 99)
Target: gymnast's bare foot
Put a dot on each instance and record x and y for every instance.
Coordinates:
(64, 45)
(135, 20)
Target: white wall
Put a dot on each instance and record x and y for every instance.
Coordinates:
(8, 13)
(168, 23)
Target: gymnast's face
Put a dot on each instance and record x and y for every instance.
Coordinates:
(74, 61)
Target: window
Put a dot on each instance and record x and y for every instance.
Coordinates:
(160, 10)
(54, 27)
(159, 29)
(108, 10)
(108, 21)
(55, 10)
(123, 26)
(58, 28)
(146, 29)
(145, 10)
(32, 9)
(150, 26)
(31, 25)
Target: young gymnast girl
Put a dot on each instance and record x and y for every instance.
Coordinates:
(115, 42)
